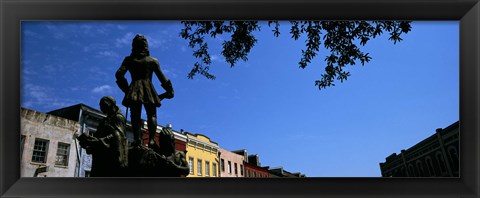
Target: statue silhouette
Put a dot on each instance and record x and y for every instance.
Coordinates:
(108, 145)
(141, 90)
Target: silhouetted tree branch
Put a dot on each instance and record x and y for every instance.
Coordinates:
(339, 37)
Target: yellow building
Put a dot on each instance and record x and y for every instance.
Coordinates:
(202, 156)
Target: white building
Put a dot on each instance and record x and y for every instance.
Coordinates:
(47, 147)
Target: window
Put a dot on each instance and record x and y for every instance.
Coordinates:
(412, 172)
(40, 150)
(62, 154)
(254, 174)
(229, 167)
(22, 144)
(248, 172)
(190, 164)
(402, 172)
(222, 165)
(199, 167)
(454, 157)
(420, 169)
(207, 168)
(441, 162)
(235, 168)
(214, 169)
(87, 173)
(241, 169)
(431, 171)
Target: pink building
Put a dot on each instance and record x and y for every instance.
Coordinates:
(231, 164)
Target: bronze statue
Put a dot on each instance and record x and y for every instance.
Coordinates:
(141, 90)
(161, 161)
(181, 163)
(176, 160)
(108, 145)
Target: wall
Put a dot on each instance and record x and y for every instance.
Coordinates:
(233, 158)
(252, 170)
(54, 129)
(201, 147)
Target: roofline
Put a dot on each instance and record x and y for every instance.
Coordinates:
(27, 109)
(276, 167)
(241, 150)
(449, 127)
(453, 125)
(84, 107)
(197, 134)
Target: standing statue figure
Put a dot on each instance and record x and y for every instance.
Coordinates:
(141, 90)
(108, 145)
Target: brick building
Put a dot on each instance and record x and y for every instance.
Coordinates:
(436, 156)
(251, 165)
(280, 172)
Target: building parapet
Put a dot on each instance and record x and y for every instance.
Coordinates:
(47, 119)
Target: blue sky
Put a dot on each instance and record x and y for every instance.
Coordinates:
(267, 105)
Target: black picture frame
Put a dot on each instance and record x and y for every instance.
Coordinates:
(466, 11)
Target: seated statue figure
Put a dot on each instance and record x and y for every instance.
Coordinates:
(163, 161)
(108, 145)
(177, 165)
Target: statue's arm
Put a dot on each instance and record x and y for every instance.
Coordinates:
(179, 162)
(184, 170)
(166, 84)
(183, 167)
(120, 76)
(84, 140)
(91, 144)
(103, 142)
(117, 131)
(117, 126)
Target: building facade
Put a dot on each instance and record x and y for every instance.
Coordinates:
(202, 156)
(47, 147)
(280, 172)
(251, 165)
(436, 156)
(231, 164)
